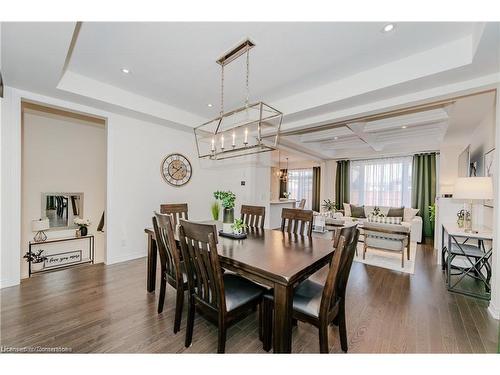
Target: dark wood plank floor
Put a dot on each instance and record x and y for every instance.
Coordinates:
(107, 309)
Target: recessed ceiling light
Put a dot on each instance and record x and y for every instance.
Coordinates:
(335, 138)
(210, 105)
(125, 70)
(404, 127)
(388, 28)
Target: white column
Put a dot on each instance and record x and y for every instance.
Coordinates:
(494, 307)
(10, 195)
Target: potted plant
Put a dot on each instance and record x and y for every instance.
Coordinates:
(227, 199)
(432, 215)
(238, 226)
(82, 225)
(329, 206)
(215, 209)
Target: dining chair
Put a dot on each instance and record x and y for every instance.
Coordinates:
(295, 219)
(320, 304)
(223, 298)
(171, 265)
(302, 204)
(177, 210)
(253, 216)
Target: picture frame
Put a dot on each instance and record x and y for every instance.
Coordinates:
(488, 170)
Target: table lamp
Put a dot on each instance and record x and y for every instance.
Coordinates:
(471, 189)
(40, 226)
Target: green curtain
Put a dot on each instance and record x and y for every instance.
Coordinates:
(283, 187)
(342, 183)
(423, 188)
(316, 188)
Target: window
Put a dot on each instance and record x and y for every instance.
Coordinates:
(381, 182)
(299, 185)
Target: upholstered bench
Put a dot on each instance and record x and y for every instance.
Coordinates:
(388, 237)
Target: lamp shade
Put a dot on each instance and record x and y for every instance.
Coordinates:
(39, 225)
(472, 188)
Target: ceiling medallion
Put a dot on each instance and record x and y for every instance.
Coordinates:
(251, 129)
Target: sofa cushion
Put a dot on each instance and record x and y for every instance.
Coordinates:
(392, 227)
(386, 243)
(396, 212)
(384, 220)
(376, 211)
(358, 211)
(409, 214)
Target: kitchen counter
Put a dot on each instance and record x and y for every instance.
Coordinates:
(275, 207)
(283, 201)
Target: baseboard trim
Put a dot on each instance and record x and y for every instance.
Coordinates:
(9, 283)
(494, 312)
(125, 258)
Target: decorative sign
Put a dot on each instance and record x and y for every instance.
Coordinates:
(62, 259)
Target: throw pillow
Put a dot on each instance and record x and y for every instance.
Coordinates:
(385, 220)
(358, 211)
(409, 214)
(368, 210)
(375, 211)
(396, 212)
(347, 209)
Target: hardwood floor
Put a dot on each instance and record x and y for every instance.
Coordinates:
(107, 309)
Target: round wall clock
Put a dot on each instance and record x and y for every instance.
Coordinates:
(176, 169)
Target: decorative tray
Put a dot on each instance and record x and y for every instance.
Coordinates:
(232, 235)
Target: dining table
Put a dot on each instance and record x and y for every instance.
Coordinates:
(272, 258)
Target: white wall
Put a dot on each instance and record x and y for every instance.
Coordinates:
(328, 172)
(482, 141)
(135, 188)
(484, 136)
(494, 306)
(60, 154)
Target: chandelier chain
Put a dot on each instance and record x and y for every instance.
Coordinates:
(222, 90)
(248, 76)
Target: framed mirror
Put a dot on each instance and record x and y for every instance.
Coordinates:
(61, 209)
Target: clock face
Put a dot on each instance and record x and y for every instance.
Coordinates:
(176, 169)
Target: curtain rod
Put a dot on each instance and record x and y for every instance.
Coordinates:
(391, 157)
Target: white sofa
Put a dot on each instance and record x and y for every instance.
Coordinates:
(415, 224)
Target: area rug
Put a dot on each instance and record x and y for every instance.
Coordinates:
(386, 259)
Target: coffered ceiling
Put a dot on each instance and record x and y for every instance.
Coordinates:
(315, 73)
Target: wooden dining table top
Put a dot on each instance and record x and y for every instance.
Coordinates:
(280, 257)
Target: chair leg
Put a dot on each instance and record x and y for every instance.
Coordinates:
(295, 323)
(408, 250)
(342, 327)
(364, 249)
(323, 338)
(403, 258)
(267, 325)
(261, 329)
(190, 323)
(161, 300)
(221, 340)
(179, 304)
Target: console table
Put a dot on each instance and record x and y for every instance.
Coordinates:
(62, 260)
(476, 258)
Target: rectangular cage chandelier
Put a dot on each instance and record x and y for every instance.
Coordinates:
(251, 129)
